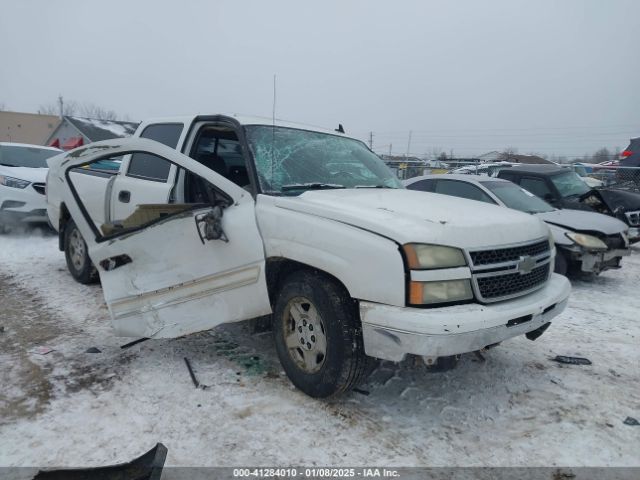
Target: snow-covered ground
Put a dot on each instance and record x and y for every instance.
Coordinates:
(517, 408)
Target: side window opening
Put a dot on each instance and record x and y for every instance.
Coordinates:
(536, 186)
(148, 167)
(218, 149)
(424, 185)
(199, 193)
(463, 190)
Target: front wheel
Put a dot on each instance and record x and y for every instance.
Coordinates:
(318, 335)
(77, 256)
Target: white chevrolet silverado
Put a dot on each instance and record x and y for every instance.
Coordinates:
(206, 220)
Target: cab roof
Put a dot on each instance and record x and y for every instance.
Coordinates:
(243, 120)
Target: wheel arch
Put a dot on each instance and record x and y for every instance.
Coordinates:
(278, 268)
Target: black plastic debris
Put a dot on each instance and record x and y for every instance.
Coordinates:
(1, 328)
(631, 422)
(135, 342)
(572, 360)
(191, 373)
(146, 467)
(93, 350)
(361, 391)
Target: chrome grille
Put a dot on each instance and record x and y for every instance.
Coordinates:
(510, 254)
(500, 286)
(38, 187)
(510, 271)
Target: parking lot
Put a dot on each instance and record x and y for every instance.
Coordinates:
(515, 406)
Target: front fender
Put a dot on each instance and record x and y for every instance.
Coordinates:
(370, 266)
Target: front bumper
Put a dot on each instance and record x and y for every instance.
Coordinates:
(596, 262)
(22, 205)
(392, 332)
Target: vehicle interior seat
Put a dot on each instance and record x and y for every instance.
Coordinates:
(213, 162)
(239, 176)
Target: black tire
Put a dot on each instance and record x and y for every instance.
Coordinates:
(562, 264)
(75, 252)
(344, 364)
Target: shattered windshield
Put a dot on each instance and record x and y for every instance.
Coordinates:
(569, 184)
(291, 161)
(517, 198)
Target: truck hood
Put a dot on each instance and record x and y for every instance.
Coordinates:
(407, 216)
(615, 198)
(25, 173)
(582, 221)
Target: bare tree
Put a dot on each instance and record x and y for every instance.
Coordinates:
(69, 108)
(602, 155)
(91, 110)
(507, 153)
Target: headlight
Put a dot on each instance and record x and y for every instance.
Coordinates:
(440, 292)
(421, 256)
(13, 182)
(587, 241)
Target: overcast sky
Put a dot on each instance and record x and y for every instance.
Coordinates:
(469, 76)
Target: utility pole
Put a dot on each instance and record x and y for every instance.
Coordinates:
(409, 144)
(390, 147)
(371, 141)
(61, 105)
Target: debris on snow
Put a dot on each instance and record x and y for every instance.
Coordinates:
(42, 350)
(631, 422)
(571, 360)
(135, 342)
(193, 375)
(147, 466)
(93, 350)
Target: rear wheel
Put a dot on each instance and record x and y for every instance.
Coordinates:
(77, 256)
(318, 335)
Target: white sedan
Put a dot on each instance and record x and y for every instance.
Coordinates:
(23, 172)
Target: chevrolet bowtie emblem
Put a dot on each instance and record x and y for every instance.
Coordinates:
(525, 264)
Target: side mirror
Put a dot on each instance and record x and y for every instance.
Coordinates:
(209, 225)
(549, 198)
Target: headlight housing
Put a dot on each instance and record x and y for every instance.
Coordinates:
(445, 291)
(13, 182)
(425, 257)
(587, 241)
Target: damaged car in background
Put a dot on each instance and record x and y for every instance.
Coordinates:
(563, 188)
(585, 241)
(236, 218)
(23, 170)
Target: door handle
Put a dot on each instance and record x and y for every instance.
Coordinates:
(124, 196)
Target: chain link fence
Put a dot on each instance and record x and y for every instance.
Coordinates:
(612, 176)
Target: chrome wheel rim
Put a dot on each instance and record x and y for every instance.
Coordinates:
(77, 249)
(304, 334)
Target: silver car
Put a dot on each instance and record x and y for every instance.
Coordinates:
(585, 241)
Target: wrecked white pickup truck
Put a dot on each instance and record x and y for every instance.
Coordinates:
(308, 226)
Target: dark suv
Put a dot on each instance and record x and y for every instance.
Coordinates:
(563, 188)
